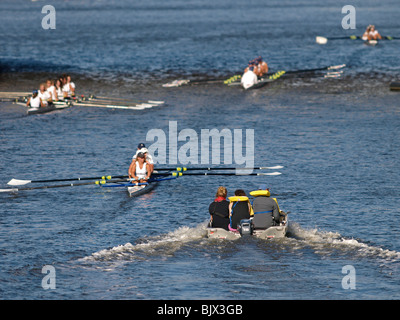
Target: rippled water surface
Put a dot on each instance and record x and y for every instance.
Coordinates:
(338, 140)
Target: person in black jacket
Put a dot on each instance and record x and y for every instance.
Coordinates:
(219, 210)
(239, 209)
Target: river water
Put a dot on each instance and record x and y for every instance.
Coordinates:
(338, 140)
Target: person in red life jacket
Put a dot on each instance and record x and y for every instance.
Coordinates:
(219, 210)
(239, 208)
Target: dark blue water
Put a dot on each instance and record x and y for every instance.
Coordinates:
(337, 139)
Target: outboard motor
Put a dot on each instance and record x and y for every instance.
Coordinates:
(246, 227)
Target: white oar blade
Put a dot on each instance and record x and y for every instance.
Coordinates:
(16, 182)
(8, 190)
(156, 102)
(321, 40)
(269, 174)
(273, 168)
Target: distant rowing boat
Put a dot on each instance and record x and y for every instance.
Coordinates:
(46, 109)
(324, 40)
(91, 101)
(331, 73)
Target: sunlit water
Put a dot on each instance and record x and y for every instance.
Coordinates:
(336, 138)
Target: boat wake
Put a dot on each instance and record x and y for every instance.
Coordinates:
(329, 244)
(164, 245)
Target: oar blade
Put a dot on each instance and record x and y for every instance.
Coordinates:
(17, 182)
(156, 102)
(276, 173)
(321, 40)
(8, 190)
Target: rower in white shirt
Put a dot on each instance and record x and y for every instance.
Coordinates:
(35, 101)
(249, 78)
(149, 160)
(59, 86)
(69, 87)
(44, 95)
(374, 34)
(52, 89)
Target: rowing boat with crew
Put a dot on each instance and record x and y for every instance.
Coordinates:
(256, 81)
(40, 106)
(133, 187)
(136, 187)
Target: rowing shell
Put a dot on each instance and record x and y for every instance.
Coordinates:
(46, 109)
(135, 191)
(371, 42)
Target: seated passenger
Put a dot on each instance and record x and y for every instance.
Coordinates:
(239, 208)
(266, 209)
(219, 210)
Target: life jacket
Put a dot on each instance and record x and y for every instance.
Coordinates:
(239, 211)
(265, 193)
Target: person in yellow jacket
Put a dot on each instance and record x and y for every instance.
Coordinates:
(266, 209)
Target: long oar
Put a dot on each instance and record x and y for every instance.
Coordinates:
(18, 182)
(122, 103)
(98, 99)
(179, 174)
(179, 83)
(336, 67)
(180, 169)
(16, 94)
(227, 174)
(54, 186)
(131, 184)
(136, 107)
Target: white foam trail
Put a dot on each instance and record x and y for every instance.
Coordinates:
(323, 243)
(163, 245)
(328, 243)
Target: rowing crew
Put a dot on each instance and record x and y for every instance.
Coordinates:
(142, 165)
(263, 210)
(371, 34)
(60, 89)
(256, 68)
